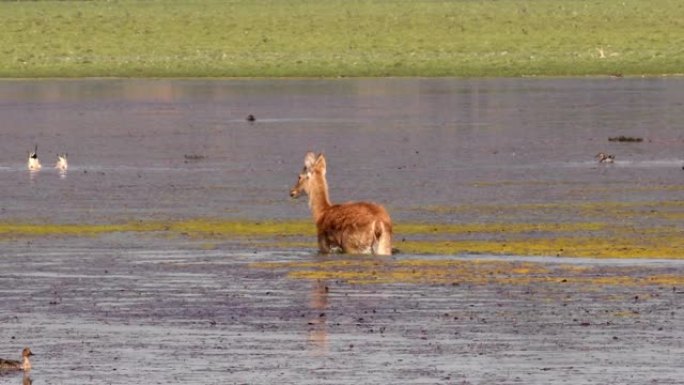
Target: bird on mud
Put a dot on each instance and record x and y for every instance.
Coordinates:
(33, 162)
(24, 364)
(605, 158)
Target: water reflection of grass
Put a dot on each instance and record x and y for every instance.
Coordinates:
(340, 38)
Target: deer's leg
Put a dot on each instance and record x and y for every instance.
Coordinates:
(323, 245)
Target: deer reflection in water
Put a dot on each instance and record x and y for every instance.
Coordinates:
(318, 328)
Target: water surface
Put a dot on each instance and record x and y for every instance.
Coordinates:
(126, 308)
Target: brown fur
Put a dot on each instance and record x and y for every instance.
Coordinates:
(356, 228)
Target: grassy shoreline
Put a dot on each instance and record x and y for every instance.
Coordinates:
(335, 38)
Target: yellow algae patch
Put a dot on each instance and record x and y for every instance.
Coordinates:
(218, 228)
(469, 228)
(532, 239)
(649, 246)
(472, 272)
(201, 228)
(33, 230)
(605, 210)
(625, 314)
(418, 271)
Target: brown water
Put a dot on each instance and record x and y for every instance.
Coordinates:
(121, 309)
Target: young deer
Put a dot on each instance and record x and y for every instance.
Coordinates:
(356, 228)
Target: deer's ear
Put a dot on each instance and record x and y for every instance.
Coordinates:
(320, 163)
(309, 161)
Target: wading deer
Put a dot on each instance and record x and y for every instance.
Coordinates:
(33, 162)
(355, 228)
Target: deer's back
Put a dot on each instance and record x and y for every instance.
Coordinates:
(354, 215)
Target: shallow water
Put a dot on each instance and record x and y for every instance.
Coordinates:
(406, 142)
(126, 308)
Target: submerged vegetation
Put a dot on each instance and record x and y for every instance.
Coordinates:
(333, 38)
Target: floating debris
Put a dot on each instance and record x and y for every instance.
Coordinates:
(622, 138)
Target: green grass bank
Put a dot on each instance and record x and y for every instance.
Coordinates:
(331, 38)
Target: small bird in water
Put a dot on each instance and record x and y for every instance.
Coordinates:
(24, 364)
(605, 158)
(33, 162)
(250, 118)
(62, 163)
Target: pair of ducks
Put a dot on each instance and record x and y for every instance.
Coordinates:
(34, 163)
(24, 364)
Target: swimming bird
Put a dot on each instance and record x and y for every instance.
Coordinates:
(605, 158)
(62, 163)
(33, 162)
(24, 364)
(250, 118)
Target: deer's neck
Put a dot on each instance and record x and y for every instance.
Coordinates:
(319, 201)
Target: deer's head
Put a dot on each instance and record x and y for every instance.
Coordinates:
(313, 165)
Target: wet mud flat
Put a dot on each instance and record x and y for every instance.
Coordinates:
(179, 314)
